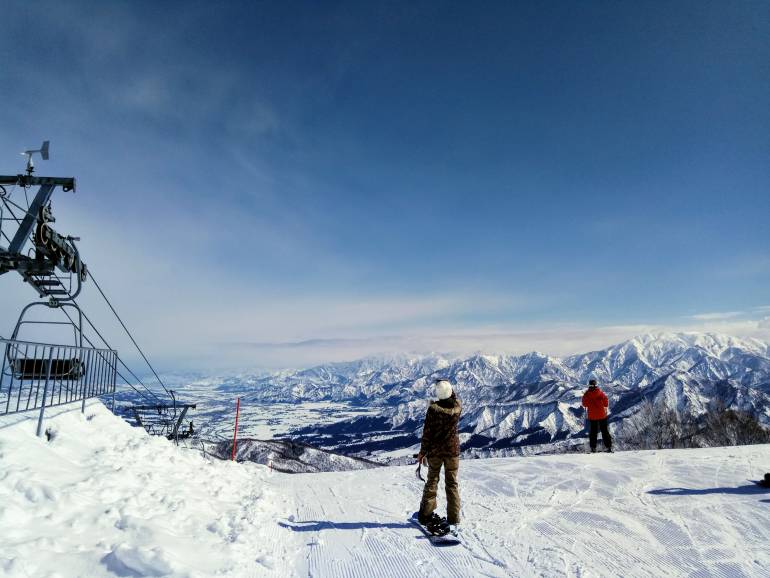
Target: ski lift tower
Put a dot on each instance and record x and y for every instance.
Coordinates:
(36, 375)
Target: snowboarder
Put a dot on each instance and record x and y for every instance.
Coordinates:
(595, 400)
(441, 447)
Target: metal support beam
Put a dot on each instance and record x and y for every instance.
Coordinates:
(25, 229)
(45, 393)
(179, 423)
(66, 183)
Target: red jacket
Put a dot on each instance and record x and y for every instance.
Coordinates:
(596, 402)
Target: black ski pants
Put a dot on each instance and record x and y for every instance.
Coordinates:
(594, 426)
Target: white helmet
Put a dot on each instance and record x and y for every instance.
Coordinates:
(443, 389)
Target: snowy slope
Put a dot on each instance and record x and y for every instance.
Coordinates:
(649, 514)
(103, 499)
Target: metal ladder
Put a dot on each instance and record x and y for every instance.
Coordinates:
(47, 285)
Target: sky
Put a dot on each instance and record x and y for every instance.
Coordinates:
(273, 184)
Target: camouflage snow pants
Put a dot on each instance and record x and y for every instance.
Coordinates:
(428, 503)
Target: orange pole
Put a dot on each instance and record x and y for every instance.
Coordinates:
(235, 433)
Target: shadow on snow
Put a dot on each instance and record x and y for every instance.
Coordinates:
(740, 490)
(316, 526)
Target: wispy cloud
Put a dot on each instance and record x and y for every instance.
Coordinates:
(718, 316)
(557, 339)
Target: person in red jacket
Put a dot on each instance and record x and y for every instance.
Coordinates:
(596, 402)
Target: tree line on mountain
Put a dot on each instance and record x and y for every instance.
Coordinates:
(657, 426)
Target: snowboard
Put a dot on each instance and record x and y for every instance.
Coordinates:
(451, 539)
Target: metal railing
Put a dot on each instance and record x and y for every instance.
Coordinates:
(40, 375)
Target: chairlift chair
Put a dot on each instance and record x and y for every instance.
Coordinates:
(28, 361)
(163, 419)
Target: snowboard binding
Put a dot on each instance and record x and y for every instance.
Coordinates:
(437, 525)
(437, 530)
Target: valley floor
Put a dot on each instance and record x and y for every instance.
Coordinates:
(103, 499)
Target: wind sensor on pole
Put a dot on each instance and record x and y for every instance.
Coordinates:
(43, 150)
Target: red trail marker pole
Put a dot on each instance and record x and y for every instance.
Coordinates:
(235, 433)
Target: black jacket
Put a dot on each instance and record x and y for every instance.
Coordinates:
(440, 438)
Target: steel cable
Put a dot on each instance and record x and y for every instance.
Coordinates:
(152, 393)
(139, 349)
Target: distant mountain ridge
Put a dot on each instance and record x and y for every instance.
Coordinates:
(513, 401)
(632, 363)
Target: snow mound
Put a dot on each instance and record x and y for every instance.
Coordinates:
(105, 499)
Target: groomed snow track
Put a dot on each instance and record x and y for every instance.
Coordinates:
(668, 513)
(103, 499)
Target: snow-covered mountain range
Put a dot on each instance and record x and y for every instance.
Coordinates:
(512, 401)
(374, 407)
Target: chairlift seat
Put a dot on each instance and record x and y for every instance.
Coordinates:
(163, 420)
(30, 368)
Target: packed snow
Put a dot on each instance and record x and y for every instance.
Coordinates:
(101, 498)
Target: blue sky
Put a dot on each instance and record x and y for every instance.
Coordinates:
(271, 184)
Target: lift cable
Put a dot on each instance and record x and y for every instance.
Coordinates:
(7, 201)
(128, 369)
(91, 275)
(152, 393)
